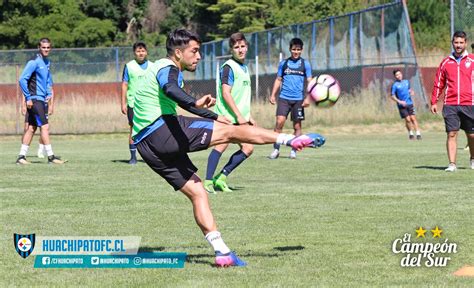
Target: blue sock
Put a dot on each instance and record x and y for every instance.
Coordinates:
(276, 146)
(234, 161)
(133, 151)
(212, 162)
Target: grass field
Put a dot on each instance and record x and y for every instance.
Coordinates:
(326, 219)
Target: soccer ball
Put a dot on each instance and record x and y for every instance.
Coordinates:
(324, 90)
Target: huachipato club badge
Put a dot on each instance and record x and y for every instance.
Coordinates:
(24, 244)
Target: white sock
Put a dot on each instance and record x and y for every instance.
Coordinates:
(418, 132)
(24, 149)
(410, 133)
(49, 150)
(284, 138)
(214, 238)
(41, 148)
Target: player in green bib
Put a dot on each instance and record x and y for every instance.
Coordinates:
(164, 138)
(233, 102)
(133, 73)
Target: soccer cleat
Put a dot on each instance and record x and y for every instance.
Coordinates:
(451, 168)
(220, 183)
(55, 160)
(312, 140)
(132, 161)
(274, 154)
(209, 186)
(21, 160)
(293, 154)
(41, 153)
(229, 259)
(411, 137)
(418, 137)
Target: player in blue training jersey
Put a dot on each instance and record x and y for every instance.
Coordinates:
(164, 138)
(401, 94)
(133, 73)
(37, 86)
(291, 75)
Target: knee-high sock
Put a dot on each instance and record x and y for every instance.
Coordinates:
(234, 161)
(212, 162)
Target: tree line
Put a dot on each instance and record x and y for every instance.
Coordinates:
(102, 23)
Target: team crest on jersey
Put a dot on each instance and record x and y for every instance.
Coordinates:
(468, 63)
(24, 244)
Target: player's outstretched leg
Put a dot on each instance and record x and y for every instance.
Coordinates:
(223, 133)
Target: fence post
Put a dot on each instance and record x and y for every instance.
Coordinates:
(18, 101)
(256, 78)
(117, 65)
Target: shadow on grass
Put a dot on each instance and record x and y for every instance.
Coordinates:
(436, 167)
(204, 258)
(125, 161)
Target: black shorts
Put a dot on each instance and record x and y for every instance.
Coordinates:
(459, 117)
(295, 107)
(27, 115)
(38, 114)
(165, 150)
(406, 111)
(130, 116)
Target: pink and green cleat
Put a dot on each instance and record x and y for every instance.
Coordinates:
(228, 260)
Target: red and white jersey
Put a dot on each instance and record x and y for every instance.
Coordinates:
(457, 78)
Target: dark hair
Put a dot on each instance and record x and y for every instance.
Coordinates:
(472, 46)
(296, 41)
(44, 40)
(139, 44)
(396, 71)
(180, 38)
(236, 37)
(459, 34)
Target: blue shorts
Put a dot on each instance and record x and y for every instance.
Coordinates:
(406, 111)
(38, 114)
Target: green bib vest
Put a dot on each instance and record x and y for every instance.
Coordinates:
(150, 100)
(240, 91)
(135, 76)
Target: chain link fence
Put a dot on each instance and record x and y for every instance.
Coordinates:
(360, 49)
(462, 17)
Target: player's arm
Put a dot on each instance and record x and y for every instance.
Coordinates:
(275, 89)
(168, 81)
(124, 86)
(23, 106)
(438, 87)
(277, 84)
(23, 81)
(394, 98)
(308, 72)
(50, 97)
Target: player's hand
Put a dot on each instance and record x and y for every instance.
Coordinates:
(205, 101)
(272, 99)
(403, 103)
(306, 102)
(241, 120)
(434, 109)
(124, 109)
(223, 120)
(252, 122)
(50, 110)
(23, 110)
(29, 104)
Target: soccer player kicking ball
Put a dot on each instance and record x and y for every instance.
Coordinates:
(164, 138)
(233, 102)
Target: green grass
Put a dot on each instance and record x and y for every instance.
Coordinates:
(326, 219)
